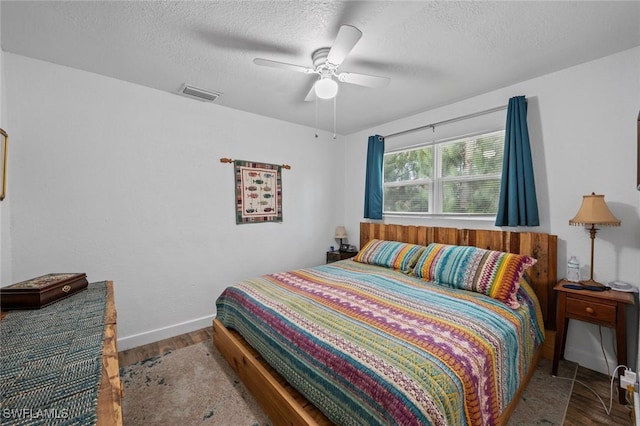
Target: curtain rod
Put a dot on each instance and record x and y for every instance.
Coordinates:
(230, 160)
(451, 120)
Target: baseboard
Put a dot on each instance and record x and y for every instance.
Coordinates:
(592, 361)
(156, 335)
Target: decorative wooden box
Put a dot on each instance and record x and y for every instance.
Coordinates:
(41, 291)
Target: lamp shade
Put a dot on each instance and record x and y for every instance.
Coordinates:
(594, 211)
(326, 88)
(341, 232)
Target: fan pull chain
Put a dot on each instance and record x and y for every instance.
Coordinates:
(316, 117)
(334, 116)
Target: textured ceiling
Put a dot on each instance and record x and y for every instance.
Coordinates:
(434, 52)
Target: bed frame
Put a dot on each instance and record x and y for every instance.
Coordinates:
(286, 406)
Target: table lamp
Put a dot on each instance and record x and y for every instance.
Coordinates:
(593, 211)
(341, 233)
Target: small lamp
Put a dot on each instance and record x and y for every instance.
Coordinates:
(594, 211)
(341, 233)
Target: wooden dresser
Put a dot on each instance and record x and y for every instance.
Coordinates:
(111, 391)
(109, 407)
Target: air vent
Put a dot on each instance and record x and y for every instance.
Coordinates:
(200, 94)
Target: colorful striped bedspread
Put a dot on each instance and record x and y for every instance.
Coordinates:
(370, 345)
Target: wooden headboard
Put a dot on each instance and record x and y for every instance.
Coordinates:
(543, 247)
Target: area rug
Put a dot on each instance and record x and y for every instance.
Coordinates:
(196, 386)
(189, 386)
(546, 398)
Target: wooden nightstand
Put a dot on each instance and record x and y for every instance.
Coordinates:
(334, 256)
(605, 308)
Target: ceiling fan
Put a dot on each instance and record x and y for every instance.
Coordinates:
(326, 62)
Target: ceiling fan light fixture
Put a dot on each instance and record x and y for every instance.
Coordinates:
(326, 88)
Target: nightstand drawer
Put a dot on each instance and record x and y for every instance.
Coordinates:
(334, 256)
(591, 311)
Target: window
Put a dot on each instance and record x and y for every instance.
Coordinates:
(460, 176)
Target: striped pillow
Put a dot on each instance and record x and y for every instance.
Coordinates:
(390, 254)
(493, 273)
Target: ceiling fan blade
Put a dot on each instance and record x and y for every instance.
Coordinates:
(347, 37)
(311, 96)
(283, 65)
(364, 80)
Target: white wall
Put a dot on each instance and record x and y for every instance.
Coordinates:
(124, 183)
(5, 270)
(582, 124)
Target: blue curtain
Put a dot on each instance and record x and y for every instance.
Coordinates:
(373, 181)
(518, 205)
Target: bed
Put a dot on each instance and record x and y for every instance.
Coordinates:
(366, 341)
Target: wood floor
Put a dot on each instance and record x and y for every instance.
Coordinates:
(131, 356)
(584, 408)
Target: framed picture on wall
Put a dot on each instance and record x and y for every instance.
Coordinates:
(3, 163)
(258, 192)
